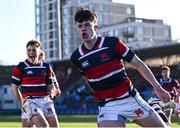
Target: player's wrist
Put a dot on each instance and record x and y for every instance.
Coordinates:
(157, 88)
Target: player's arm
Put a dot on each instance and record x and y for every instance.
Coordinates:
(53, 86)
(53, 91)
(56, 84)
(148, 75)
(177, 100)
(17, 94)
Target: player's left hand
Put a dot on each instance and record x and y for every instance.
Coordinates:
(55, 92)
(162, 94)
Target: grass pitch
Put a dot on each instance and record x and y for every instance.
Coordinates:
(69, 121)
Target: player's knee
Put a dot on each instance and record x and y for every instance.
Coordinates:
(111, 123)
(43, 125)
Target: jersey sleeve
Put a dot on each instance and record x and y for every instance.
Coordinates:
(17, 75)
(123, 51)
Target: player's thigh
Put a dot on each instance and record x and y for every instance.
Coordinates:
(53, 121)
(110, 123)
(39, 120)
(24, 123)
(153, 120)
(168, 112)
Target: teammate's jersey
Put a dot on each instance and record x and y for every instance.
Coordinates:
(104, 68)
(170, 85)
(32, 79)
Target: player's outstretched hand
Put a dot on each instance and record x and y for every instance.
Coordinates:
(162, 94)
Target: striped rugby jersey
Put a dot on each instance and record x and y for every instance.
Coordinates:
(103, 67)
(32, 79)
(170, 85)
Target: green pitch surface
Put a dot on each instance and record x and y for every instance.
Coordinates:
(68, 121)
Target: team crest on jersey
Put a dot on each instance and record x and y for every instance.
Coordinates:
(104, 57)
(43, 72)
(85, 64)
(30, 72)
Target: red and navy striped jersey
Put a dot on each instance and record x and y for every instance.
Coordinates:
(103, 67)
(170, 85)
(32, 79)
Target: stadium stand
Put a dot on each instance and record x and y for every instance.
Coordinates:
(76, 98)
(5, 75)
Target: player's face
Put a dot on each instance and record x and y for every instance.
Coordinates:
(165, 73)
(32, 53)
(87, 30)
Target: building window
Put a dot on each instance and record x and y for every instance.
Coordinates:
(128, 10)
(151, 31)
(50, 16)
(45, 45)
(65, 11)
(166, 33)
(37, 2)
(51, 55)
(38, 36)
(100, 7)
(37, 11)
(51, 25)
(140, 30)
(50, 6)
(37, 29)
(111, 33)
(51, 35)
(116, 33)
(79, 2)
(45, 27)
(5, 91)
(51, 44)
(100, 19)
(37, 20)
(8, 101)
(91, 6)
(131, 30)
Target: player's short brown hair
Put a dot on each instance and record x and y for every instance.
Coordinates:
(35, 42)
(85, 14)
(165, 68)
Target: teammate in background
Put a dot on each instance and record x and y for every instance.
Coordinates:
(100, 60)
(31, 84)
(42, 58)
(24, 117)
(171, 85)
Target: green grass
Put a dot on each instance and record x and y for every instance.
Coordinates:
(68, 121)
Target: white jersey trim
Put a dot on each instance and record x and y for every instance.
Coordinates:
(97, 50)
(80, 50)
(33, 85)
(31, 67)
(125, 53)
(102, 41)
(106, 76)
(15, 78)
